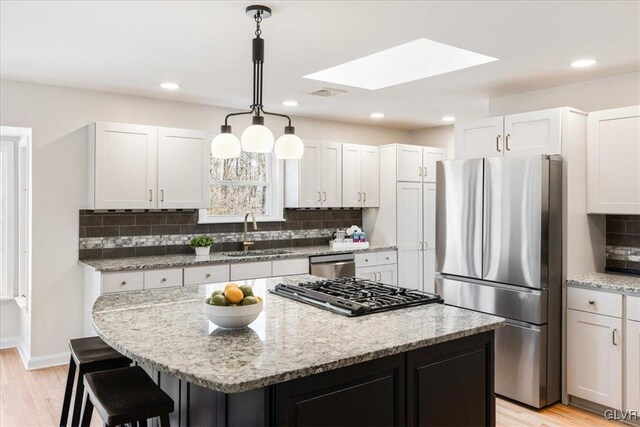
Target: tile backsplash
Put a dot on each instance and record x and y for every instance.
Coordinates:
(149, 233)
(623, 243)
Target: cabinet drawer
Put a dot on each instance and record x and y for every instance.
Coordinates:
(633, 308)
(286, 267)
(163, 278)
(366, 259)
(121, 282)
(250, 270)
(206, 274)
(388, 257)
(594, 302)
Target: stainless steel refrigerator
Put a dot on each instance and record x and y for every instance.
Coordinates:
(498, 251)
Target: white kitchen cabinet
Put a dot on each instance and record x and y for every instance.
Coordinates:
(378, 266)
(183, 168)
(165, 278)
(360, 176)
(409, 158)
(147, 167)
(331, 174)
(388, 274)
(594, 358)
(632, 365)
(122, 166)
(250, 270)
(430, 156)
(409, 241)
(429, 247)
(613, 159)
(367, 273)
(536, 132)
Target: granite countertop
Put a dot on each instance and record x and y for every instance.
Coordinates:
(165, 261)
(610, 281)
(166, 329)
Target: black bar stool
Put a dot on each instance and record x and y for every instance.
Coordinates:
(87, 355)
(125, 395)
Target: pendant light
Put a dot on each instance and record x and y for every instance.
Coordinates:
(257, 138)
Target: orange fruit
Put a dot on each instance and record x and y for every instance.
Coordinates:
(230, 285)
(234, 294)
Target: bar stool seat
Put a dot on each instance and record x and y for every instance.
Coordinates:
(124, 395)
(87, 355)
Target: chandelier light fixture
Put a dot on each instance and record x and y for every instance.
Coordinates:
(257, 138)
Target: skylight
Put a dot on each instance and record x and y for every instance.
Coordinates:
(408, 62)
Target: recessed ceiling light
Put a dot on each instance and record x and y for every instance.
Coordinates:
(377, 115)
(290, 103)
(583, 63)
(411, 61)
(169, 85)
(448, 119)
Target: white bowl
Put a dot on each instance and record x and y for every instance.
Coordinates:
(232, 317)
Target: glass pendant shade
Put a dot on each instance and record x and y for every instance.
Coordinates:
(225, 146)
(289, 146)
(257, 139)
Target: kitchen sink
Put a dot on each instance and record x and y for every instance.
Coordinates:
(264, 252)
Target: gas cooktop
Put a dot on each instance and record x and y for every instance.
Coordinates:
(353, 296)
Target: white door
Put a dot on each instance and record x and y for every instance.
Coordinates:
(370, 176)
(409, 163)
(537, 132)
(430, 156)
(331, 174)
(429, 226)
(126, 166)
(632, 345)
(310, 175)
(613, 156)
(594, 358)
(367, 273)
(480, 138)
(409, 234)
(351, 175)
(183, 168)
(388, 274)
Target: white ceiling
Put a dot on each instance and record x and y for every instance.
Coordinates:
(131, 46)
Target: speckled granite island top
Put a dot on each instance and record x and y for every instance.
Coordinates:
(610, 281)
(166, 329)
(166, 261)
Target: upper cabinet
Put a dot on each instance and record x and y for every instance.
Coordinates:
(416, 163)
(536, 132)
(613, 159)
(360, 176)
(146, 167)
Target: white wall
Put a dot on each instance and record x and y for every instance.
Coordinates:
(9, 323)
(438, 136)
(58, 116)
(591, 95)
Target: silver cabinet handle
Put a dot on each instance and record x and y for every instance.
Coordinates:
(164, 279)
(506, 141)
(359, 196)
(425, 171)
(615, 337)
(426, 246)
(124, 282)
(592, 302)
(365, 197)
(162, 195)
(419, 170)
(498, 142)
(319, 197)
(366, 260)
(379, 277)
(150, 195)
(207, 275)
(325, 196)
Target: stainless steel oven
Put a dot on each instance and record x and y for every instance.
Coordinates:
(333, 266)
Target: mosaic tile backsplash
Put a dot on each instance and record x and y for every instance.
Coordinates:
(623, 243)
(151, 233)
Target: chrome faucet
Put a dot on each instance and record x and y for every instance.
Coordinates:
(245, 242)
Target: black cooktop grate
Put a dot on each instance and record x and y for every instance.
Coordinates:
(353, 296)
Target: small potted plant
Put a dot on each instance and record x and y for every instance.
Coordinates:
(202, 244)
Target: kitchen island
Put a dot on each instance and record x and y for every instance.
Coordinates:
(300, 365)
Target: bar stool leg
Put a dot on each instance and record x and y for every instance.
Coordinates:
(164, 420)
(66, 403)
(87, 411)
(77, 404)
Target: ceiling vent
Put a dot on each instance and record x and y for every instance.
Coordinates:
(327, 91)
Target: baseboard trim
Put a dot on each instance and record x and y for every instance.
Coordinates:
(47, 361)
(9, 342)
(15, 342)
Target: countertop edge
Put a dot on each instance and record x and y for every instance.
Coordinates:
(607, 282)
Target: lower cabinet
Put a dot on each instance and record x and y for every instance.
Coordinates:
(594, 358)
(632, 366)
(378, 267)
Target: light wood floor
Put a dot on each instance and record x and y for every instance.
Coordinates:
(34, 398)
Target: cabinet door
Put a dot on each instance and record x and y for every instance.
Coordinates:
(429, 226)
(351, 176)
(537, 132)
(310, 175)
(125, 166)
(481, 138)
(331, 174)
(409, 163)
(368, 273)
(429, 158)
(370, 176)
(613, 156)
(388, 274)
(594, 358)
(632, 345)
(183, 168)
(409, 237)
